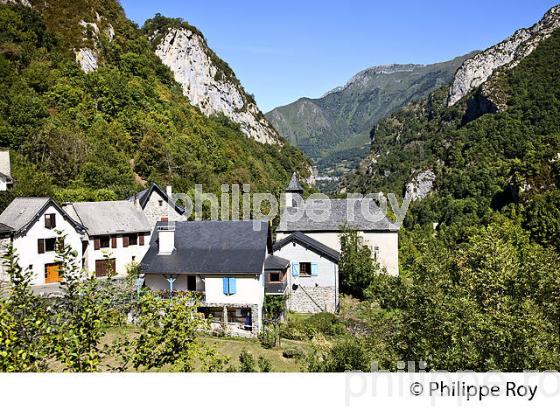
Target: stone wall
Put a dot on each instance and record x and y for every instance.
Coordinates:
(312, 299)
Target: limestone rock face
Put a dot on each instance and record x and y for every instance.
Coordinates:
(25, 3)
(507, 54)
(87, 59)
(420, 186)
(209, 87)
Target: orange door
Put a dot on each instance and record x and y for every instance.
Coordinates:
(51, 273)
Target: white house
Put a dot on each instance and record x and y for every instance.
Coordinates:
(223, 261)
(155, 204)
(374, 229)
(311, 278)
(118, 234)
(35, 223)
(5, 171)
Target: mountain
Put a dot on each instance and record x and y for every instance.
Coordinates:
(208, 82)
(488, 143)
(333, 129)
(90, 111)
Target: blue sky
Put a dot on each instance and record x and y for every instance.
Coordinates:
(284, 50)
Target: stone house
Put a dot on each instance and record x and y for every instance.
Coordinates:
(310, 278)
(155, 203)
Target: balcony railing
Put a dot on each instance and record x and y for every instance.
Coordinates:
(275, 288)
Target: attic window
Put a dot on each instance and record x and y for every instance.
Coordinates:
(160, 202)
(50, 221)
(305, 269)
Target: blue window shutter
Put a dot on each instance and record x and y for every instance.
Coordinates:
(295, 268)
(232, 286)
(314, 270)
(225, 282)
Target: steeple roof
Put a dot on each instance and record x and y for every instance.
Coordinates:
(294, 185)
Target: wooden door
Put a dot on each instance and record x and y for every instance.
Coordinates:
(105, 266)
(52, 273)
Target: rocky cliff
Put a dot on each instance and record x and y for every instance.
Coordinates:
(208, 85)
(507, 54)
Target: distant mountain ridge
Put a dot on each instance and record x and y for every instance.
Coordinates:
(333, 128)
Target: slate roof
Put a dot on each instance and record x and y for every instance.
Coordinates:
(309, 243)
(23, 212)
(109, 217)
(144, 196)
(211, 247)
(273, 262)
(294, 185)
(5, 229)
(340, 216)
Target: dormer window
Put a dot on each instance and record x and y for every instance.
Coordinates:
(50, 221)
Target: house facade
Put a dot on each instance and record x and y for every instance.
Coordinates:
(118, 234)
(223, 261)
(6, 180)
(311, 276)
(35, 224)
(155, 204)
(373, 228)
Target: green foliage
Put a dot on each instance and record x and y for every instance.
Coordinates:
(357, 268)
(264, 364)
(484, 161)
(348, 354)
(493, 305)
(168, 335)
(80, 318)
(96, 136)
(300, 327)
(24, 328)
(247, 362)
(274, 306)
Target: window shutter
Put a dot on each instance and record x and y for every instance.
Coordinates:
(225, 284)
(141, 239)
(232, 286)
(125, 241)
(295, 269)
(113, 241)
(47, 221)
(96, 244)
(41, 246)
(53, 220)
(314, 269)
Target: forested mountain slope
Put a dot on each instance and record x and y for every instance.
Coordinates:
(496, 149)
(334, 129)
(90, 112)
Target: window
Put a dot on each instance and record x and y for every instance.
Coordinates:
(229, 286)
(305, 269)
(376, 252)
(30, 267)
(160, 202)
(50, 221)
(103, 267)
(133, 239)
(46, 245)
(104, 241)
(275, 277)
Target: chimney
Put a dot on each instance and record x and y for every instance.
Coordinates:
(169, 193)
(166, 238)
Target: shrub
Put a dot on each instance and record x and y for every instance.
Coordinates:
(264, 365)
(246, 362)
(268, 337)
